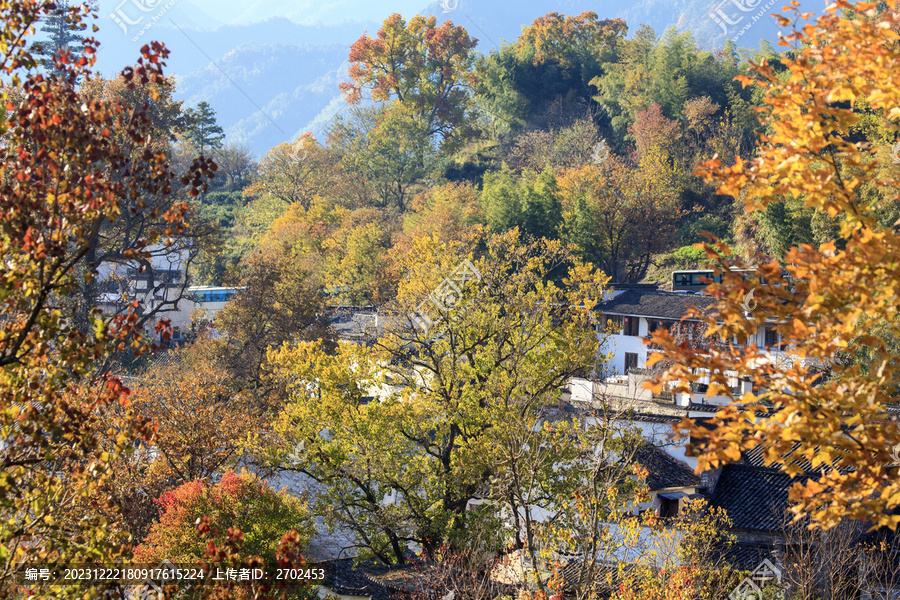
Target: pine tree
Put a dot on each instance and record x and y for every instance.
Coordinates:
(61, 34)
(202, 130)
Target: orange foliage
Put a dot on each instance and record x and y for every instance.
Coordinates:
(841, 294)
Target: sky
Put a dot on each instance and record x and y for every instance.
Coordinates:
(307, 12)
(241, 12)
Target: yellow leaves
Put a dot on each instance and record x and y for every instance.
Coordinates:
(732, 453)
(716, 389)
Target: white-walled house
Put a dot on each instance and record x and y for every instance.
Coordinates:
(634, 312)
(631, 313)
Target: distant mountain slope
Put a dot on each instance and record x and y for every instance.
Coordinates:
(291, 84)
(273, 79)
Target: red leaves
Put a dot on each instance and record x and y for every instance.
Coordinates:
(425, 67)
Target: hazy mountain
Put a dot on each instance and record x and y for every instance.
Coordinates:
(271, 69)
(271, 91)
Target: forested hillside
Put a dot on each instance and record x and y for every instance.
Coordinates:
(576, 131)
(287, 51)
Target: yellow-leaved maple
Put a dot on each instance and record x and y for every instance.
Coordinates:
(811, 400)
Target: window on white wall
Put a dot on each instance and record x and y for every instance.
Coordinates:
(613, 322)
(631, 361)
(773, 339)
(656, 324)
(631, 326)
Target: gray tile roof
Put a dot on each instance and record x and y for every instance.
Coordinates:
(664, 471)
(746, 555)
(344, 578)
(355, 324)
(606, 577)
(755, 498)
(654, 303)
(756, 457)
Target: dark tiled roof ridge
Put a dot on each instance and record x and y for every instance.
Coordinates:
(755, 497)
(654, 303)
(763, 468)
(665, 471)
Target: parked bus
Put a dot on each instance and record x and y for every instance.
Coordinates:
(697, 280)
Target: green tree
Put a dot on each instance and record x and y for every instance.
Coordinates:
(529, 202)
(62, 27)
(202, 130)
(667, 71)
(403, 467)
(556, 56)
(388, 148)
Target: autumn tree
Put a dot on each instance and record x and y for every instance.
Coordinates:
(619, 215)
(201, 419)
(680, 558)
(279, 303)
(448, 211)
(291, 173)
(564, 147)
(238, 500)
(401, 466)
(570, 486)
(111, 265)
(237, 165)
(357, 261)
(426, 67)
(63, 176)
(243, 523)
(840, 292)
